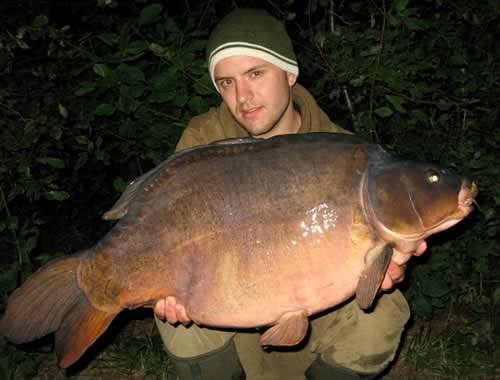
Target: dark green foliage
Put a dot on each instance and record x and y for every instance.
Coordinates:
(90, 109)
(92, 94)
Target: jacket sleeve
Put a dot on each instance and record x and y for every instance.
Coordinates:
(189, 138)
(329, 126)
(201, 129)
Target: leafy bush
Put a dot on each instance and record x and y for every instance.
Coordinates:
(93, 109)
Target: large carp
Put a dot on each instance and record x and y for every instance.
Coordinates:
(245, 234)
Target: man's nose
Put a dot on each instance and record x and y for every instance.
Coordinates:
(243, 92)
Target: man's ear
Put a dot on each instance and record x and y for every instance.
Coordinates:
(292, 78)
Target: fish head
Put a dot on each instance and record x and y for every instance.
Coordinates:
(407, 201)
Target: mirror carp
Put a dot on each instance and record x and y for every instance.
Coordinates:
(245, 233)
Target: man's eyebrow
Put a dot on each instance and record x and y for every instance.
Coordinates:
(217, 78)
(258, 67)
(253, 68)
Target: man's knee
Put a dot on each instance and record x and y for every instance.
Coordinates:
(366, 342)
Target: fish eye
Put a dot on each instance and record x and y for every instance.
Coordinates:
(433, 176)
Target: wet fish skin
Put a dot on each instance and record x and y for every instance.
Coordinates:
(244, 234)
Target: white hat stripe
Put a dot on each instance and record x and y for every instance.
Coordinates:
(288, 65)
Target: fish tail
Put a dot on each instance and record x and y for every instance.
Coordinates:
(51, 301)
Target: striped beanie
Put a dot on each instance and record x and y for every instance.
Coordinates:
(254, 33)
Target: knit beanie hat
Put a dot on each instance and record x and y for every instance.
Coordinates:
(254, 33)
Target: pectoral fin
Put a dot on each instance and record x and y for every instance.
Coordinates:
(377, 261)
(288, 331)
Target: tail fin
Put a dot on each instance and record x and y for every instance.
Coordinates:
(51, 301)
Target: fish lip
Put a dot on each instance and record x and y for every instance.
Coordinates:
(466, 196)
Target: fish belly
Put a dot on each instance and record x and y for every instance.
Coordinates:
(255, 289)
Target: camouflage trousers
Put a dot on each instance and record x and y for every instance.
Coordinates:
(345, 337)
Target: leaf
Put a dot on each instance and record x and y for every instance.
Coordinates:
(159, 50)
(23, 45)
(62, 111)
(384, 112)
(149, 13)
(136, 47)
(119, 184)
(393, 78)
(197, 104)
(180, 100)
(8, 281)
(127, 104)
(320, 39)
(129, 74)
(422, 306)
(12, 222)
(85, 88)
(101, 69)
(372, 50)
(29, 244)
(496, 295)
(414, 24)
(133, 91)
(46, 257)
(54, 162)
(82, 140)
(39, 22)
(108, 38)
(400, 5)
(435, 287)
(104, 110)
(82, 160)
(397, 102)
(204, 88)
(161, 96)
(392, 21)
(55, 195)
(56, 132)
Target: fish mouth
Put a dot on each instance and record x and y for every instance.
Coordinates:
(466, 197)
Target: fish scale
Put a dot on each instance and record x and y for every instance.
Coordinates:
(245, 233)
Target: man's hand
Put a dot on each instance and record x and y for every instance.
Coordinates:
(168, 309)
(396, 272)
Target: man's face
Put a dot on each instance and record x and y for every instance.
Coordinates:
(257, 93)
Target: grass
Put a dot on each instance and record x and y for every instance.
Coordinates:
(451, 355)
(142, 355)
(450, 346)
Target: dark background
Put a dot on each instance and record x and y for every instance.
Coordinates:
(94, 93)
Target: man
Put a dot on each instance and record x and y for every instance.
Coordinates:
(253, 66)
